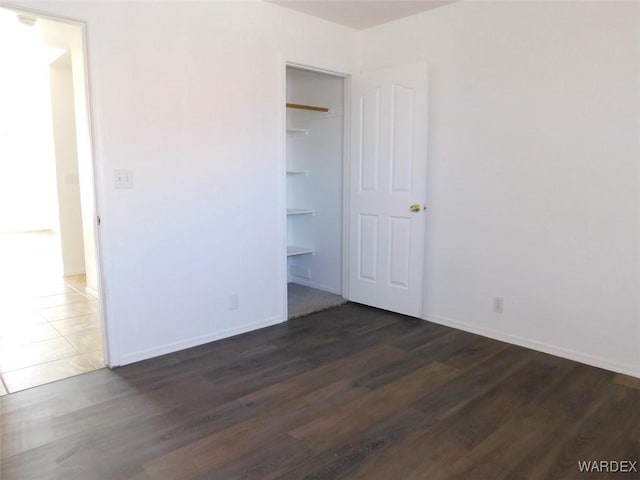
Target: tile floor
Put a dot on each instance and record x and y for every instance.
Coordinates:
(49, 327)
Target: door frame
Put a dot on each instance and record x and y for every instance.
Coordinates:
(110, 350)
(346, 163)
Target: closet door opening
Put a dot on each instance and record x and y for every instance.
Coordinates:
(315, 123)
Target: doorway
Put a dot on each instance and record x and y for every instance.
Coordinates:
(50, 312)
(315, 140)
(382, 202)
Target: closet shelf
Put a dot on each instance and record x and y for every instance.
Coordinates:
(298, 131)
(294, 250)
(308, 107)
(299, 211)
(298, 172)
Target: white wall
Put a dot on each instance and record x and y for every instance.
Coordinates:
(534, 170)
(64, 135)
(533, 176)
(190, 97)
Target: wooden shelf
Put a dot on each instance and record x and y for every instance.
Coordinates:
(298, 172)
(298, 131)
(299, 211)
(294, 250)
(308, 107)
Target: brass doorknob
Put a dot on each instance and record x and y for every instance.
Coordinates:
(416, 207)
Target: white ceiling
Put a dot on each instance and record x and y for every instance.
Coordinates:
(361, 14)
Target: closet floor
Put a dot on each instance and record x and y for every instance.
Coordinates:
(304, 300)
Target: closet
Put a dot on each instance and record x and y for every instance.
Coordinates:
(314, 155)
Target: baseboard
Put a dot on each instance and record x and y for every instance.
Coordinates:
(556, 350)
(73, 273)
(92, 292)
(132, 357)
(324, 288)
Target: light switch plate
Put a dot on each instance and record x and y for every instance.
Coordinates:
(123, 179)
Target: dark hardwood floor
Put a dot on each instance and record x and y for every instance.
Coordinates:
(351, 392)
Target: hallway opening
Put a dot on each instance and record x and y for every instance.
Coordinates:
(50, 315)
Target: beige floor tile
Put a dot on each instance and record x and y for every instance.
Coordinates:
(46, 290)
(78, 286)
(71, 325)
(21, 317)
(22, 356)
(58, 300)
(96, 358)
(18, 334)
(77, 282)
(75, 278)
(13, 300)
(72, 310)
(43, 279)
(87, 340)
(32, 285)
(47, 372)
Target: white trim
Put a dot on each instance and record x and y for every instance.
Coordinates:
(17, 8)
(110, 346)
(308, 68)
(283, 278)
(73, 272)
(140, 355)
(556, 350)
(94, 293)
(346, 182)
(306, 283)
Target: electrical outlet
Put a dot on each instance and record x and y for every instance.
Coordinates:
(234, 302)
(498, 304)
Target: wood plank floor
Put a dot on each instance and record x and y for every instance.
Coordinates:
(351, 392)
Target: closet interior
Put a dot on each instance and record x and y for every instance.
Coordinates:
(314, 154)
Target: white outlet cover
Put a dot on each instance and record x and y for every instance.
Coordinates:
(498, 304)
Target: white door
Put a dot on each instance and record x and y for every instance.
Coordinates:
(387, 182)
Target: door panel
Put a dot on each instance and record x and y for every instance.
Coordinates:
(402, 138)
(367, 248)
(399, 258)
(388, 175)
(369, 140)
